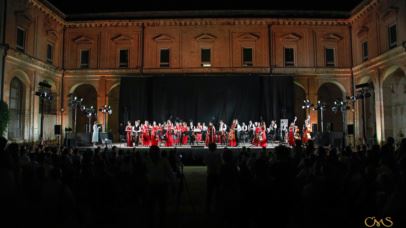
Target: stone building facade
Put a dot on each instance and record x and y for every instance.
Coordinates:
(87, 57)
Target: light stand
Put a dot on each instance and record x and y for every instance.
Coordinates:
(44, 94)
(342, 106)
(320, 106)
(90, 112)
(106, 109)
(75, 103)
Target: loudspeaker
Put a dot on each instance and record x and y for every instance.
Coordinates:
(350, 129)
(57, 129)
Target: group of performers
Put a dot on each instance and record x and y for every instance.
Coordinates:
(181, 133)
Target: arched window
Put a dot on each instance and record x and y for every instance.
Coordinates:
(16, 106)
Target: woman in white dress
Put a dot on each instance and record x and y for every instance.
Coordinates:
(95, 136)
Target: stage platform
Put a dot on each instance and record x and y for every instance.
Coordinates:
(189, 154)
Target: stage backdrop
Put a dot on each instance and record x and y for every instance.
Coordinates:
(206, 98)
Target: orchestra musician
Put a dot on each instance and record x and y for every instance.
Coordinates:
(244, 132)
(251, 130)
(198, 132)
(128, 130)
(146, 134)
(136, 132)
(272, 130)
(262, 135)
(307, 129)
(292, 132)
(210, 134)
(169, 133)
(222, 132)
(232, 134)
(185, 132)
(154, 134)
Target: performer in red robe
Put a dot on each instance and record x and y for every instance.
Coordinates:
(198, 131)
(232, 139)
(178, 133)
(185, 131)
(291, 134)
(262, 139)
(128, 130)
(154, 134)
(169, 134)
(146, 134)
(257, 134)
(211, 134)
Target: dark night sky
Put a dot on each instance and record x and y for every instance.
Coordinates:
(101, 6)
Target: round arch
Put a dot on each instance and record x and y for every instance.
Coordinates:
(89, 94)
(392, 69)
(75, 86)
(327, 93)
(394, 102)
(338, 84)
(113, 87)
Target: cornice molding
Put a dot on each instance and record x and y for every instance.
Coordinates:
(22, 60)
(55, 14)
(365, 10)
(386, 59)
(322, 71)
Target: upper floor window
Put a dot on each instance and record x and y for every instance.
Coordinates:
(364, 50)
(164, 58)
(289, 56)
(206, 57)
(247, 57)
(84, 58)
(123, 58)
(392, 36)
(21, 39)
(50, 53)
(329, 55)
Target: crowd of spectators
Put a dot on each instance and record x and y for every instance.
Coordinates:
(302, 186)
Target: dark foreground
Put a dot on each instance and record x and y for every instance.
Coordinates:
(300, 187)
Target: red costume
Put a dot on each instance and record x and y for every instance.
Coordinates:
(185, 136)
(211, 135)
(291, 136)
(262, 141)
(199, 134)
(154, 136)
(305, 137)
(129, 129)
(146, 137)
(232, 140)
(169, 135)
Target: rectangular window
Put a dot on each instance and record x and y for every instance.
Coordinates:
(164, 58)
(365, 51)
(50, 53)
(206, 57)
(247, 57)
(123, 58)
(392, 36)
(329, 54)
(84, 59)
(289, 57)
(20, 39)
